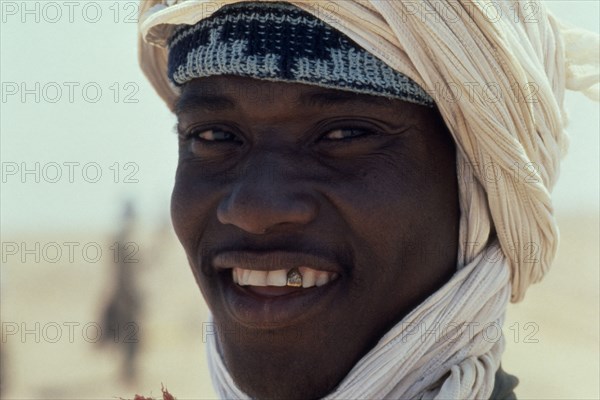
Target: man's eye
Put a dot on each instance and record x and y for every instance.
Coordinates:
(214, 135)
(340, 134)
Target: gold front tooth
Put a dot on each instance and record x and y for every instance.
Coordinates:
(294, 278)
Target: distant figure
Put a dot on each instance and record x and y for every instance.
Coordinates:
(122, 309)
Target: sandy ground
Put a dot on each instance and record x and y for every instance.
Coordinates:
(552, 337)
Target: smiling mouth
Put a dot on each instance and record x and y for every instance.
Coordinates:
(304, 277)
(281, 282)
(257, 291)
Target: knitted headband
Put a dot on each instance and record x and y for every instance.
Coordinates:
(281, 42)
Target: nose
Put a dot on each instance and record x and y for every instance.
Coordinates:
(266, 200)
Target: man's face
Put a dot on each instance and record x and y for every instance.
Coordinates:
(358, 191)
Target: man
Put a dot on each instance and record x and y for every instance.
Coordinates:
(333, 193)
(122, 310)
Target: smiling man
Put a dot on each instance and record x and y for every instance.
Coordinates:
(335, 203)
(300, 183)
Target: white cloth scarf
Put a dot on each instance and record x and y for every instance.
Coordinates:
(498, 71)
(449, 347)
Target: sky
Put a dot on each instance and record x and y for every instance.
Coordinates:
(82, 131)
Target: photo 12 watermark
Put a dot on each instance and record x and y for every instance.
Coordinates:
(449, 332)
(69, 172)
(71, 252)
(68, 332)
(69, 92)
(55, 12)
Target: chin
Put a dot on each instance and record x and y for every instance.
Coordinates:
(297, 387)
(279, 364)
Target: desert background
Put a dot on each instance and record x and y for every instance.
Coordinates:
(82, 133)
(555, 356)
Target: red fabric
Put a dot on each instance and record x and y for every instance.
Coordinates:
(165, 393)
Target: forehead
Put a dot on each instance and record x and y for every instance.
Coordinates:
(223, 93)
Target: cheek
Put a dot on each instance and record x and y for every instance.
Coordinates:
(404, 224)
(191, 213)
(384, 198)
(190, 208)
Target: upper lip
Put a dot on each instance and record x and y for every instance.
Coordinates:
(273, 260)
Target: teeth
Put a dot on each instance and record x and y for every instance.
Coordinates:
(276, 278)
(245, 276)
(257, 278)
(294, 278)
(322, 278)
(310, 277)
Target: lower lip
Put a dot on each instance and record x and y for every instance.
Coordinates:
(265, 310)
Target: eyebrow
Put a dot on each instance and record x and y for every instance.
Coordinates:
(216, 103)
(205, 102)
(324, 99)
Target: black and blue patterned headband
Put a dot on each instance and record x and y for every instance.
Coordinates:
(281, 42)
